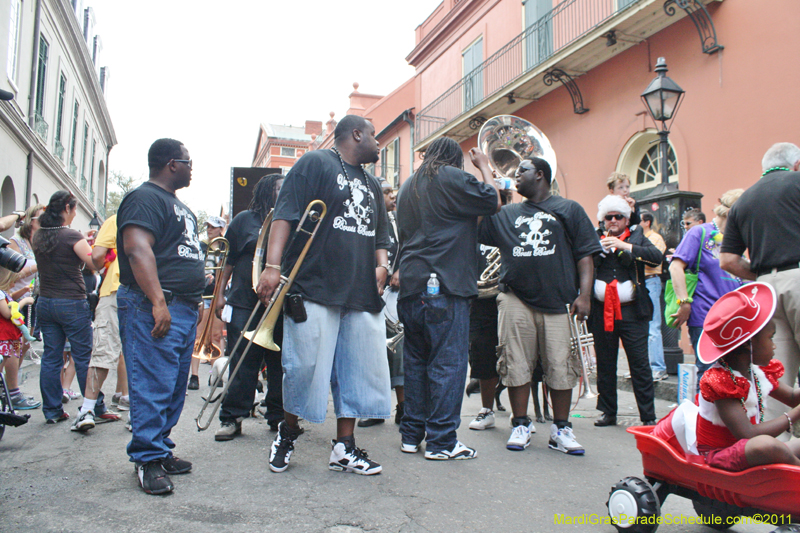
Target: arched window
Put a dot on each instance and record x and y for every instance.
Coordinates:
(641, 161)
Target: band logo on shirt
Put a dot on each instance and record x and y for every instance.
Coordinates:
(190, 248)
(358, 208)
(535, 237)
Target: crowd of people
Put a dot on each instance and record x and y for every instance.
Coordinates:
(414, 256)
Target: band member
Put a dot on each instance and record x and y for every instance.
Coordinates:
(437, 213)
(336, 337)
(161, 275)
(622, 309)
(395, 356)
(242, 237)
(215, 228)
(546, 251)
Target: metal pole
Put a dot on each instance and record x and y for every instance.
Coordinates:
(663, 145)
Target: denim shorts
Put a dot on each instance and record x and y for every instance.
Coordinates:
(338, 349)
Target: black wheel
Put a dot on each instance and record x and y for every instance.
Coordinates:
(708, 509)
(634, 498)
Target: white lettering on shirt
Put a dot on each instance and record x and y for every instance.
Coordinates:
(191, 243)
(358, 208)
(536, 235)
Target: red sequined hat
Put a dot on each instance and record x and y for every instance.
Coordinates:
(734, 319)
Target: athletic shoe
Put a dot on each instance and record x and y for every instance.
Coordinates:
(84, 422)
(173, 465)
(228, 430)
(369, 422)
(484, 420)
(119, 403)
(660, 375)
(64, 397)
(194, 383)
(60, 418)
(409, 448)
(563, 440)
(458, 451)
(345, 457)
(23, 403)
(520, 436)
(153, 478)
(282, 447)
(71, 394)
(108, 416)
(512, 424)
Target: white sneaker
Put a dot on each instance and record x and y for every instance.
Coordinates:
(409, 448)
(484, 420)
(459, 451)
(352, 459)
(563, 440)
(84, 421)
(520, 437)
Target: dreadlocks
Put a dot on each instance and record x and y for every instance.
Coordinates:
(442, 152)
(264, 195)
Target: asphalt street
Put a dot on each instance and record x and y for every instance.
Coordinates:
(53, 479)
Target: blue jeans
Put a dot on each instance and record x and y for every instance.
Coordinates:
(61, 319)
(694, 336)
(340, 349)
(157, 371)
(435, 356)
(655, 344)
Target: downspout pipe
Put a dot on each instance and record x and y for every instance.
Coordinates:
(32, 98)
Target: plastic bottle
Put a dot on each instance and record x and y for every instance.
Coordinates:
(433, 285)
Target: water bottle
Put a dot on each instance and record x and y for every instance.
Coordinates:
(433, 285)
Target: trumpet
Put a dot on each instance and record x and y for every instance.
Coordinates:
(581, 343)
(262, 335)
(204, 349)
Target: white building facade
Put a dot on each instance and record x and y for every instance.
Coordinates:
(56, 133)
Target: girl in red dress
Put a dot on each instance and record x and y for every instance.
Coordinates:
(731, 431)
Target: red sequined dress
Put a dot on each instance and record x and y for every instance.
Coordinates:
(717, 384)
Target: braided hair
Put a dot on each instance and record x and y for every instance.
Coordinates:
(45, 242)
(264, 195)
(444, 151)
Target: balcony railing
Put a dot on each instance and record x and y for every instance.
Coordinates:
(40, 126)
(73, 170)
(58, 150)
(566, 23)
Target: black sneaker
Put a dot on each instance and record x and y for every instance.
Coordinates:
(194, 383)
(282, 447)
(153, 478)
(369, 422)
(174, 465)
(345, 457)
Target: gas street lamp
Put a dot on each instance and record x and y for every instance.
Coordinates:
(662, 99)
(95, 222)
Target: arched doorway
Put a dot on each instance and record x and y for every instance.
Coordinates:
(8, 197)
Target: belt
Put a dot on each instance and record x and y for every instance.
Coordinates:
(652, 276)
(781, 268)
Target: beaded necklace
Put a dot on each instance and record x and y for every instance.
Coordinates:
(349, 182)
(54, 227)
(754, 379)
(775, 169)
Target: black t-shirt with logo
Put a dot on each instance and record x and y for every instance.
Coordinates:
(540, 245)
(242, 237)
(340, 266)
(179, 259)
(438, 224)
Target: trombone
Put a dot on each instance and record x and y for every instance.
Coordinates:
(262, 335)
(581, 342)
(204, 348)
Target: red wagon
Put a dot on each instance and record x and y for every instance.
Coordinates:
(769, 494)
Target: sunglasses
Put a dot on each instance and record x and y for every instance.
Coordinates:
(614, 217)
(688, 222)
(188, 162)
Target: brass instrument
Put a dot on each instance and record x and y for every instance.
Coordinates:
(393, 325)
(490, 277)
(204, 349)
(262, 335)
(581, 342)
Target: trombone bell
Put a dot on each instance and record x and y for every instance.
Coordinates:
(263, 337)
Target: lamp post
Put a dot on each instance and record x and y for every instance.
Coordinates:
(662, 98)
(95, 222)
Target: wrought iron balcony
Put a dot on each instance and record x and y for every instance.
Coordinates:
(58, 150)
(573, 37)
(40, 126)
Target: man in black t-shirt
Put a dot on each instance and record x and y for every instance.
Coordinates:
(765, 221)
(546, 247)
(340, 343)
(161, 282)
(437, 213)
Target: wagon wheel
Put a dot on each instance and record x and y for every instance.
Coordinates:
(634, 497)
(708, 509)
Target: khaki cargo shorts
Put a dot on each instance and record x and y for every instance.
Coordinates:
(107, 344)
(526, 335)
